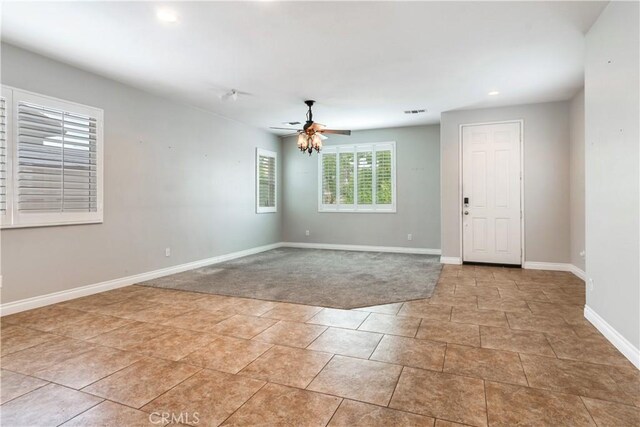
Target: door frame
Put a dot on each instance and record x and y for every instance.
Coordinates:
(522, 176)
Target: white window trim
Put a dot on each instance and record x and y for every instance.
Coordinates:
(266, 153)
(18, 220)
(355, 208)
(6, 220)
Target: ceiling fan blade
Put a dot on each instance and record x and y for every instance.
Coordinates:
(336, 131)
(297, 130)
(322, 137)
(317, 126)
(291, 123)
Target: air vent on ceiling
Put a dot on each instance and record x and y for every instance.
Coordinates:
(414, 111)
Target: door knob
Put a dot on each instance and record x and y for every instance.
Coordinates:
(466, 212)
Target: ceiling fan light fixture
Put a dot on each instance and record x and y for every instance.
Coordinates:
(316, 141)
(311, 135)
(302, 142)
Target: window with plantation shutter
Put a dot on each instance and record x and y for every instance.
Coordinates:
(357, 178)
(266, 181)
(56, 161)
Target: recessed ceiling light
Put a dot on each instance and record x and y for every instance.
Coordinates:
(493, 93)
(167, 15)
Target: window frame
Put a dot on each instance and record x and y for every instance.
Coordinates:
(356, 207)
(266, 153)
(14, 218)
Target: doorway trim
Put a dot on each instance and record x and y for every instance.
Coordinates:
(460, 204)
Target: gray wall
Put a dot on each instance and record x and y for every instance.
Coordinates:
(418, 194)
(546, 177)
(576, 179)
(174, 176)
(612, 168)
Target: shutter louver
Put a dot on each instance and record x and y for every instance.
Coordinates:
(56, 160)
(346, 185)
(267, 172)
(329, 179)
(365, 178)
(3, 156)
(384, 184)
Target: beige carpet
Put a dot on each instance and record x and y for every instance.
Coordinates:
(338, 279)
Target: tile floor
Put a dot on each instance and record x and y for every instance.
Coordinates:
(492, 346)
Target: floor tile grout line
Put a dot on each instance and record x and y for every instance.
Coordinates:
(415, 336)
(120, 370)
(376, 347)
(444, 357)
(395, 387)
(168, 390)
(93, 382)
(306, 387)
(24, 394)
(526, 377)
(342, 399)
(245, 402)
(584, 404)
(486, 401)
(86, 410)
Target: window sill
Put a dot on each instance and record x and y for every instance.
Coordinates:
(353, 211)
(51, 224)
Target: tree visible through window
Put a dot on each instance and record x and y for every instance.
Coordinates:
(384, 182)
(357, 178)
(346, 186)
(329, 179)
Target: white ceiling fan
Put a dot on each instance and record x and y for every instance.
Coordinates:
(232, 95)
(311, 135)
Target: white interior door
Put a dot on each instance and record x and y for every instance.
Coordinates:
(491, 213)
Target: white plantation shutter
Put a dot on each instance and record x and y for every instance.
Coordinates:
(362, 175)
(328, 192)
(266, 181)
(4, 157)
(56, 161)
(365, 178)
(384, 177)
(346, 181)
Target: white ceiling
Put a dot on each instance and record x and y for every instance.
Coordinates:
(365, 63)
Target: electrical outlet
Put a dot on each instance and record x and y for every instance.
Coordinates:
(591, 284)
(409, 236)
(306, 233)
(167, 252)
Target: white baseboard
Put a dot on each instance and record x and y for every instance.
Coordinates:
(555, 266)
(620, 342)
(362, 248)
(450, 260)
(56, 297)
(578, 272)
(551, 266)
